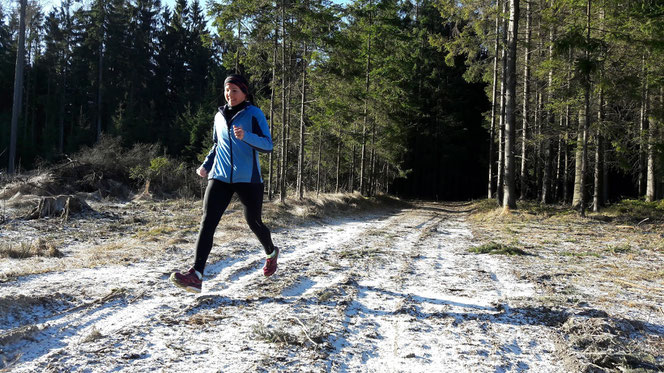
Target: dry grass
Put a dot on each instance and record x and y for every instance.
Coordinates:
(275, 335)
(296, 211)
(361, 253)
(325, 295)
(609, 262)
(309, 336)
(113, 246)
(94, 335)
(155, 233)
(23, 250)
(205, 319)
(177, 241)
(139, 230)
(607, 344)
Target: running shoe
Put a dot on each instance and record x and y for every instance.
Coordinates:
(271, 263)
(188, 281)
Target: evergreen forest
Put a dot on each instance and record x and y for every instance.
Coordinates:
(559, 101)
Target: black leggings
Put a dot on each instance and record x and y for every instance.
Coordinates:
(217, 197)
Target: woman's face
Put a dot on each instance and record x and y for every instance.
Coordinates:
(234, 94)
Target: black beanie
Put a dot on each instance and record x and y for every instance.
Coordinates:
(239, 81)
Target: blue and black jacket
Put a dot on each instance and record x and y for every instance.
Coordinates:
(232, 160)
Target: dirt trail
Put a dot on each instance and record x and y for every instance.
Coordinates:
(392, 291)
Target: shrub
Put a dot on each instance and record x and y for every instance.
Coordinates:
(140, 165)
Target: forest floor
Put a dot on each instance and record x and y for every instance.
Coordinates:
(362, 285)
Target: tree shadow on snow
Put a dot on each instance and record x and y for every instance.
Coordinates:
(580, 328)
(501, 313)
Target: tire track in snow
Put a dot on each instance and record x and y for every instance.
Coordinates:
(447, 309)
(365, 342)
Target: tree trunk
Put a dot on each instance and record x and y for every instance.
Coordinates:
(566, 162)
(559, 163)
(578, 198)
(18, 89)
(351, 181)
(237, 51)
(597, 174)
(526, 105)
(271, 124)
(494, 95)
(598, 200)
(586, 114)
(100, 84)
(501, 126)
(282, 168)
(372, 171)
(494, 89)
(336, 186)
(367, 81)
(509, 197)
(568, 114)
(300, 156)
(386, 179)
(598, 185)
(289, 117)
(26, 91)
(537, 131)
(548, 131)
(318, 163)
(643, 128)
(599, 157)
(650, 186)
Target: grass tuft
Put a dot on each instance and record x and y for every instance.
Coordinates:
(94, 335)
(497, 248)
(155, 232)
(637, 212)
(276, 336)
(28, 250)
(580, 254)
(619, 249)
(325, 296)
(362, 253)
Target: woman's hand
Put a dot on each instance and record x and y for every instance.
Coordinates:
(239, 132)
(202, 172)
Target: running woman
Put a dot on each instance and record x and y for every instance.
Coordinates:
(240, 132)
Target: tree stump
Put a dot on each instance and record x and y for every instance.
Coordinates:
(58, 206)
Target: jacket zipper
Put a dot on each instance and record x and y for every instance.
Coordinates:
(230, 147)
(230, 140)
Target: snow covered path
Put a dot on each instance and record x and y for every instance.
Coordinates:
(381, 292)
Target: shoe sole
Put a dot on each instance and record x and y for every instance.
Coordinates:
(190, 289)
